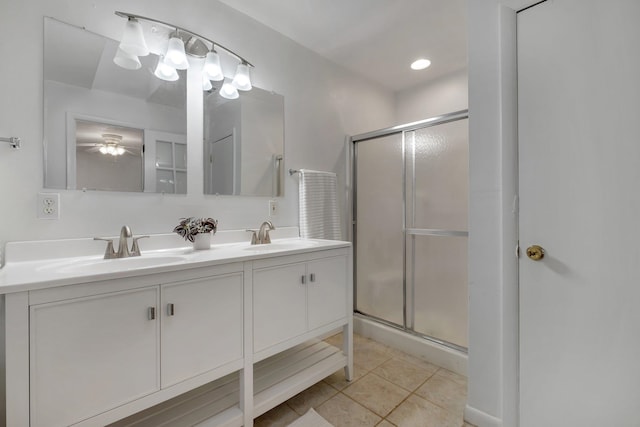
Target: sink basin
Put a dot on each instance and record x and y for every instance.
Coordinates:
(282, 245)
(99, 265)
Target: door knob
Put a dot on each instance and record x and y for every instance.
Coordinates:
(535, 252)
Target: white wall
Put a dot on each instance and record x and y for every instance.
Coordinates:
(441, 96)
(323, 103)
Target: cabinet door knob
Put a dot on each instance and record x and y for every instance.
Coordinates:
(170, 309)
(312, 277)
(303, 279)
(151, 313)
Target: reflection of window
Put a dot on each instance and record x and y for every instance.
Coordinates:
(171, 167)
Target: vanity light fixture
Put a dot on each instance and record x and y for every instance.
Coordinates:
(127, 60)
(174, 51)
(212, 67)
(175, 56)
(132, 39)
(206, 83)
(228, 91)
(165, 72)
(242, 80)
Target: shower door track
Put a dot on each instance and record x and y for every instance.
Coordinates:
(434, 121)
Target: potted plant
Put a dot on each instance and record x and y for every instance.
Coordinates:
(197, 230)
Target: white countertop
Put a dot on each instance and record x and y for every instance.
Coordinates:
(38, 265)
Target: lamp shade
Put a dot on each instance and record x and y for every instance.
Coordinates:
(133, 41)
(242, 80)
(228, 91)
(206, 83)
(175, 55)
(127, 60)
(165, 71)
(212, 68)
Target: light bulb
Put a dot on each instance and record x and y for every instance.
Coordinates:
(119, 151)
(175, 55)
(103, 149)
(133, 40)
(420, 64)
(242, 80)
(126, 60)
(229, 91)
(165, 72)
(212, 67)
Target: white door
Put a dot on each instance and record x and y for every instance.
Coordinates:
(579, 150)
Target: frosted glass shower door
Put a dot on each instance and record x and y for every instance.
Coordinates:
(437, 194)
(379, 215)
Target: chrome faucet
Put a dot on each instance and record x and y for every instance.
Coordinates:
(263, 233)
(123, 245)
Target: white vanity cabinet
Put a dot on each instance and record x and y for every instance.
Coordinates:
(91, 354)
(294, 295)
(215, 341)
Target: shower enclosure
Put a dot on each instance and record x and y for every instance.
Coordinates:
(410, 192)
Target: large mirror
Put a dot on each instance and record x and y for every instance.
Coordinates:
(115, 129)
(106, 127)
(244, 144)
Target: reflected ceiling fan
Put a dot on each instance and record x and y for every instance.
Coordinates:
(112, 144)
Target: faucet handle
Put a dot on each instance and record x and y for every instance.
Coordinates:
(254, 237)
(135, 249)
(109, 253)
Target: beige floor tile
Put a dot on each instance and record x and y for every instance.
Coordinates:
(406, 375)
(280, 416)
(370, 356)
(344, 412)
(430, 367)
(376, 393)
(385, 423)
(417, 412)
(337, 379)
(312, 397)
(445, 392)
(460, 379)
(335, 340)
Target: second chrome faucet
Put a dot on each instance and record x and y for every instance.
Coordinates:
(261, 236)
(123, 245)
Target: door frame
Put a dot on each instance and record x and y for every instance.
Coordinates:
(493, 387)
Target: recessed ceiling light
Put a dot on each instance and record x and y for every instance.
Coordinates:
(420, 64)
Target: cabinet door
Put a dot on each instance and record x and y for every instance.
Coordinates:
(89, 355)
(279, 304)
(327, 291)
(201, 326)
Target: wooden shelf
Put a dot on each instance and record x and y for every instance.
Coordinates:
(276, 379)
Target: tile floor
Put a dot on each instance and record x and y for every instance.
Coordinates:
(390, 388)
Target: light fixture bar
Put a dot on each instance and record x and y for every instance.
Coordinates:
(127, 15)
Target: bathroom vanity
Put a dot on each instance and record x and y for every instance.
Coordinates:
(173, 337)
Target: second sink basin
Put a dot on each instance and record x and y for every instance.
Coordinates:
(283, 245)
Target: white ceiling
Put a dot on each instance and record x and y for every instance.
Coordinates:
(374, 38)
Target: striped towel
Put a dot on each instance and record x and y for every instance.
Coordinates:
(319, 217)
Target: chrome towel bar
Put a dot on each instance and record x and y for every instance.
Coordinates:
(13, 141)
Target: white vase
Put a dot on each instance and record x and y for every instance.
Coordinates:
(202, 241)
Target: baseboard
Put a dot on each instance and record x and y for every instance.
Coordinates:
(480, 419)
(432, 352)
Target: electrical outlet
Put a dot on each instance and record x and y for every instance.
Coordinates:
(273, 208)
(48, 206)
